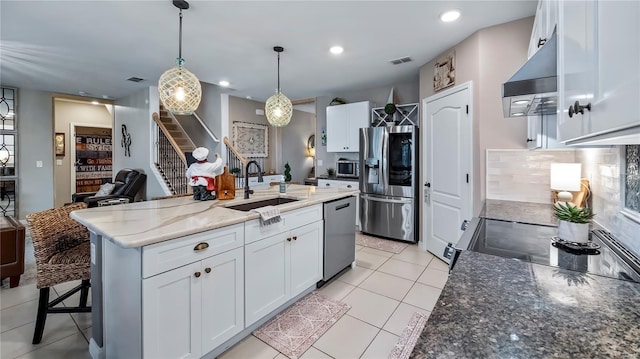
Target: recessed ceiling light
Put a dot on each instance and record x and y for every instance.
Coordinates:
(95, 102)
(336, 50)
(223, 83)
(249, 97)
(450, 15)
(520, 102)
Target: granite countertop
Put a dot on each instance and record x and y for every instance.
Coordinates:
(494, 307)
(143, 223)
(524, 212)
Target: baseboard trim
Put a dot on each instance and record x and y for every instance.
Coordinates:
(95, 351)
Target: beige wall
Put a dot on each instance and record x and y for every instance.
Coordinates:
(487, 58)
(65, 113)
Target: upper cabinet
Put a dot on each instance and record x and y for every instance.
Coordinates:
(343, 126)
(599, 72)
(545, 22)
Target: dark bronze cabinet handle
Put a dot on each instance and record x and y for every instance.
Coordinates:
(530, 140)
(201, 246)
(197, 274)
(289, 239)
(541, 42)
(207, 270)
(328, 184)
(571, 113)
(349, 186)
(577, 108)
(295, 238)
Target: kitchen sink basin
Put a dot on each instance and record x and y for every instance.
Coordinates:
(266, 202)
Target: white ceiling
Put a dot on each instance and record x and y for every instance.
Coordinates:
(94, 46)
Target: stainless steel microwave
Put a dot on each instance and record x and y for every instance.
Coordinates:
(348, 168)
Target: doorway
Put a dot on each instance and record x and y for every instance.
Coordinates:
(447, 160)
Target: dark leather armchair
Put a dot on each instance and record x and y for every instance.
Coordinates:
(128, 183)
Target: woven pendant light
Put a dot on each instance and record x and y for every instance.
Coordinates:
(278, 107)
(180, 90)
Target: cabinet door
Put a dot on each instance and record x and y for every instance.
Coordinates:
(575, 71)
(358, 114)
(534, 132)
(617, 89)
(337, 128)
(171, 314)
(266, 276)
(306, 256)
(222, 298)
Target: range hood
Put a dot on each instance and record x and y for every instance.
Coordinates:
(533, 90)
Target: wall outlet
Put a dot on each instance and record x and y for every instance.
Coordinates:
(39, 164)
(58, 162)
(260, 112)
(319, 163)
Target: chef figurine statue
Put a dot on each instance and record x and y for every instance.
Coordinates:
(201, 174)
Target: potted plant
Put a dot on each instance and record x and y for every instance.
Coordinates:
(235, 171)
(331, 172)
(390, 109)
(287, 172)
(574, 222)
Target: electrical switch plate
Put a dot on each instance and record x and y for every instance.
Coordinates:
(259, 112)
(58, 162)
(39, 164)
(319, 163)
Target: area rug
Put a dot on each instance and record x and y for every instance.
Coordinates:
(386, 245)
(409, 337)
(293, 331)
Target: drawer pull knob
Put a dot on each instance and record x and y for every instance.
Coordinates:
(295, 238)
(201, 246)
(289, 239)
(207, 270)
(349, 186)
(328, 184)
(197, 274)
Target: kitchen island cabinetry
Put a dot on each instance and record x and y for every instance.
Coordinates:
(599, 76)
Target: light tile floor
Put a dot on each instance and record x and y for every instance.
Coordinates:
(383, 290)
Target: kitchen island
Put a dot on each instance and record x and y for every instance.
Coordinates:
(185, 278)
(497, 307)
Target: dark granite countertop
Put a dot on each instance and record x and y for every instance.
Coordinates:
(494, 307)
(525, 212)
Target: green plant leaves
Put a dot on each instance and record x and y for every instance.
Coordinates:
(570, 213)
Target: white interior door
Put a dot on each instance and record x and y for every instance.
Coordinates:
(447, 157)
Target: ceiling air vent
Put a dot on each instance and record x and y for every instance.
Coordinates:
(400, 60)
(135, 79)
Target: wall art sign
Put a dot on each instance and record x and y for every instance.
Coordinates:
(59, 142)
(93, 161)
(251, 139)
(126, 141)
(444, 72)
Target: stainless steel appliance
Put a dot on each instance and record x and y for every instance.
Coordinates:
(533, 243)
(347, 168)
(388, 191)
(339, 236)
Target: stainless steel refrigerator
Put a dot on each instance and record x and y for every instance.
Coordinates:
(388, 175)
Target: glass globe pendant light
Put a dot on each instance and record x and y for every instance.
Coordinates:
(278, 107)
(180, 90)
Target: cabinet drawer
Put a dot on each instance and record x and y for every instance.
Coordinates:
(164, 256)
(338, 184)
(293, 219)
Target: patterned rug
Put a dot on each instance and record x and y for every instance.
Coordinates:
(386, 245)
(409, 337)
(293, 331)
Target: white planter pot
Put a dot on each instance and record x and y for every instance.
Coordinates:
(573, 232)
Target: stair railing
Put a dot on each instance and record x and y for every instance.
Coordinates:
(206, 128)
(169, 157)
(235, 160)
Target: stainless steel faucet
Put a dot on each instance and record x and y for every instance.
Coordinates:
(248, 191)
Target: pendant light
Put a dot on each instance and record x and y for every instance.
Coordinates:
(180, 90)
(278, 107)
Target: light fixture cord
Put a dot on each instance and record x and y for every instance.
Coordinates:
(278, 72)
(180, 42)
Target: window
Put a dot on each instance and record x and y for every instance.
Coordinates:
(8, 136)
(631, 181)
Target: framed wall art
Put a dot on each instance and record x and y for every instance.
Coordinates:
(444, 72)
(59, 143)
(251, 139)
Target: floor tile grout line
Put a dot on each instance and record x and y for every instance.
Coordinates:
(43, 346)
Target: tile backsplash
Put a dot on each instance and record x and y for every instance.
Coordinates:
(523, 175)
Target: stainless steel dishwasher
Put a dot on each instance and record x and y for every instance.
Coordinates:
(339, 236)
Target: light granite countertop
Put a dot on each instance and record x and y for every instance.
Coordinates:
(143, 223)
(494, 307)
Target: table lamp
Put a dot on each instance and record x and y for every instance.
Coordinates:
(565, 177)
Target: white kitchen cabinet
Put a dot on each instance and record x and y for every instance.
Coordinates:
(343, 126)
(325, 183)
(191, 310)
(599, 72)
(280, 267)
(545, 21)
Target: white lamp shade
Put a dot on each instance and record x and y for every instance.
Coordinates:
(565, 176)
(180, 91)
(278, 109)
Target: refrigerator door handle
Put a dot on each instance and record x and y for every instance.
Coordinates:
(386, 200)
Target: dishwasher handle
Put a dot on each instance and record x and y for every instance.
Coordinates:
(342, 206)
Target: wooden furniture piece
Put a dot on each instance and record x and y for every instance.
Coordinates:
(62, 250)
(11, 250)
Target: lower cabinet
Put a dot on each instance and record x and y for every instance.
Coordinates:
(281, 266)
(191, 310)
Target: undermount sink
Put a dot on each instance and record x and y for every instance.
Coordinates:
(266, 202)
